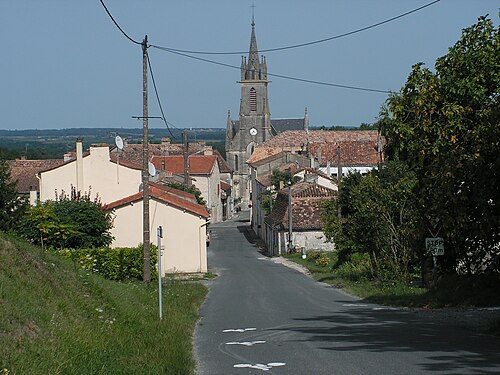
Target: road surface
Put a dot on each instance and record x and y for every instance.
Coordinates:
(263, 317)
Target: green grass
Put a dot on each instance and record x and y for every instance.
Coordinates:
(58, 319)
(452, 291)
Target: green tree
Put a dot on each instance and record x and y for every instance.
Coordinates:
(70, 222)
(446, 126)
(192, 189)
(378, 217)
(278, 178)
(11, 207)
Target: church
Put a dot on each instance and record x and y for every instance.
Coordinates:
(254, 125)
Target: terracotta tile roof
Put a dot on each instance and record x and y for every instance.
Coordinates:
(307, 199)
(198, 164)
(357, 147)
(225, 186)
(174, 197)
(133, 152)
(24, 172)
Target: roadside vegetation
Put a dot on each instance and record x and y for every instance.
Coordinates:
(355, 277)
(59, 318)
(439, 180)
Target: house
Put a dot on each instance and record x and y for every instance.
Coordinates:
(306, 201)
(204, 174)
(184, 224)
(24, 173)
(260, 171)
(95, 174)
(352, 150)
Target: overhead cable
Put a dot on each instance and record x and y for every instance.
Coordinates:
(118, 26)
(280, 75)
(194, 52)
(158, 97)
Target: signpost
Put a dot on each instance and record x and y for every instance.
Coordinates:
(159, 236)
(435, 246)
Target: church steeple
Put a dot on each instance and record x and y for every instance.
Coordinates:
(253, 69)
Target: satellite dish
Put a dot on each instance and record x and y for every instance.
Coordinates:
(119, 142)
(151, 169)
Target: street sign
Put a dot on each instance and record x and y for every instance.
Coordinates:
(435, 245)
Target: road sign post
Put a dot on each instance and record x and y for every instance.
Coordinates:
(159, 236)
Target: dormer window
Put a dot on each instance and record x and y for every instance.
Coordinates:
(253, 100)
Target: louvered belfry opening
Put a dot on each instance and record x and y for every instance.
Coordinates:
(253, 100)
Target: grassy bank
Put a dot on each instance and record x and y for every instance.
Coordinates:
(452, 291)
(58, 319)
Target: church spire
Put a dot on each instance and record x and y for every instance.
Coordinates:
(253, 68)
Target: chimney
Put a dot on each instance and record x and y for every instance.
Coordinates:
(328, 169)
(79, 165)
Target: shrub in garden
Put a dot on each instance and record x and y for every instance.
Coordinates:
(322, 260)
(121, 263)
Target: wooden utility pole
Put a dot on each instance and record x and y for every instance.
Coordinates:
(339, 178)
(187, 178)
(145, 160)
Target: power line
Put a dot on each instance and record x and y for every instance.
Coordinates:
(118, 26)
(277, 75)
(158, 97)
(303, 44)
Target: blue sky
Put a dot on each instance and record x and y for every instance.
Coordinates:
(65, 64)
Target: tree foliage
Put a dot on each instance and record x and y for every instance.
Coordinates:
(445, 125)
(69, 222)
(192, 189)
(11, 207)
(377, 218)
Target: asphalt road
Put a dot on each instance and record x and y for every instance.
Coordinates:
(264, 317)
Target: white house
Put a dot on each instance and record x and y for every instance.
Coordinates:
(184, 224)
(94, 173)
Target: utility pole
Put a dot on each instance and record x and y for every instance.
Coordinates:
(145, 160)
(339, 178)
(187, 179)
(290, 227)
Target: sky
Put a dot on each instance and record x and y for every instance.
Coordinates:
(64, 63)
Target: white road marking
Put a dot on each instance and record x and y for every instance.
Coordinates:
(246, 343)
(239, 329)
(385, 308)
(354, 305)
(261, 258)
(260, 366)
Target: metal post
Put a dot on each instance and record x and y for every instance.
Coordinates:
(159, 236)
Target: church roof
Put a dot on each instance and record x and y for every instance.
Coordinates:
(284, 124)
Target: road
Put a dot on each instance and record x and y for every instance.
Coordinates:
(261, 316)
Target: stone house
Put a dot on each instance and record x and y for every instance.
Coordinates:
(306, 201)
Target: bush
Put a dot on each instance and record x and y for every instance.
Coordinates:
(356, 269)
(322, 260)
(69, 222)
(121, 263)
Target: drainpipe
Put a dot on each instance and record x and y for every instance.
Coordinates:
(79, 165)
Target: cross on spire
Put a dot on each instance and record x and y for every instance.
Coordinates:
(253, 13)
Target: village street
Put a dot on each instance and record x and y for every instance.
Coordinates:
(263, 316)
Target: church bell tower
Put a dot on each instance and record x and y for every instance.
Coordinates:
(254, 124)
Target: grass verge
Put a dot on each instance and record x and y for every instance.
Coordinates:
(452, 291)
(56, 318)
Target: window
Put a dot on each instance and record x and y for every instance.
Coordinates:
(236, 162)
(253, 100)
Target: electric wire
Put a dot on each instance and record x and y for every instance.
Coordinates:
(158, 96)
(118, 26)
(280, 75)
(194, 52)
